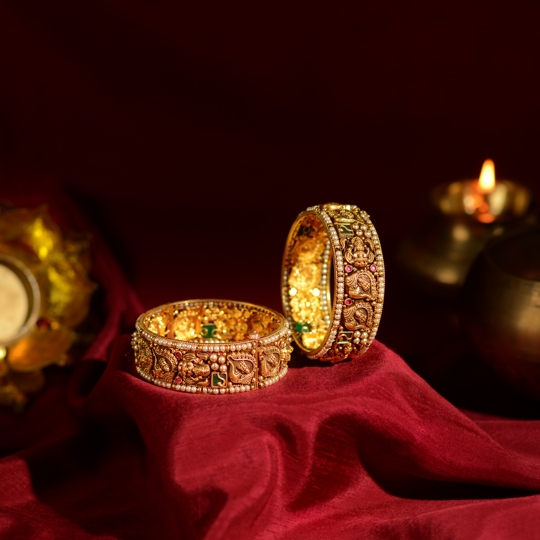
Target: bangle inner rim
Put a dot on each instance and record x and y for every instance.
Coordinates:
(309, 281)
(211, 322)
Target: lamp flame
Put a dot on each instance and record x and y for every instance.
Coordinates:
(486, 182)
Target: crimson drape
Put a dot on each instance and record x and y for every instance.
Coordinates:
(361, 449)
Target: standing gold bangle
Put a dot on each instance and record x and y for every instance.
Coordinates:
(212, 346)
(326, 325)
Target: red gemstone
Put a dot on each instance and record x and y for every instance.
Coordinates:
(348, 302)
(178, 354)
(178, 380)
(373, 268)
(42, 323)
(348, 268)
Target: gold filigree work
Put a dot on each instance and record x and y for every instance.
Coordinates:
(212, 346)
(331, 321)
(200, 322)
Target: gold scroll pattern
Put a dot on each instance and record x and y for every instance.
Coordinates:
(203, 370)
(361, 290)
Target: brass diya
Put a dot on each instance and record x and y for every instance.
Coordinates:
(463, 216)
(45, 294)
(500, 308)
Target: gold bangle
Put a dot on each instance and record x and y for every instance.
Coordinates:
(212, 346)
(326, 326)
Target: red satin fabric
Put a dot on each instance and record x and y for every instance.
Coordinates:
(361, 449)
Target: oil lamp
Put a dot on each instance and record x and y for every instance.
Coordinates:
(464, 215)
(45, 294)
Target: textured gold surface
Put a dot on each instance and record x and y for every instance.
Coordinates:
(231, 323)
(212, 346)
(304, 280)
(333, 281)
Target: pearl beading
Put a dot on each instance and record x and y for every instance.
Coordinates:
(362, 227)
(280, 338)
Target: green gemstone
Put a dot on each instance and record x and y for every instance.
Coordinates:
(219, 380)
(209, 331)
(344, 337)
(302, 328)
(345, 229)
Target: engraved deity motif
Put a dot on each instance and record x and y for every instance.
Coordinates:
(305, 276)
(308, 250)
(358, 251)
(165, 363)
(194, 370)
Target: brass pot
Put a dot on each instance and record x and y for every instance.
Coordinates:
(437, 256)
(500, 308)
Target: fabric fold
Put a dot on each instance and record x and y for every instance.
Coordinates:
(328, 444)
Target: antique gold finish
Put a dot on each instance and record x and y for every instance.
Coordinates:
(212, 346)
(500, 307)
(331, 325)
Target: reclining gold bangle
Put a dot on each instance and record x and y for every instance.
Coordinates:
(212, 346)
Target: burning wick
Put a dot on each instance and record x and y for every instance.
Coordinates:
(475, 201)
(486, 182)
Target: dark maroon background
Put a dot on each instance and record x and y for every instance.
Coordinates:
(203, 129)
(191, 136)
